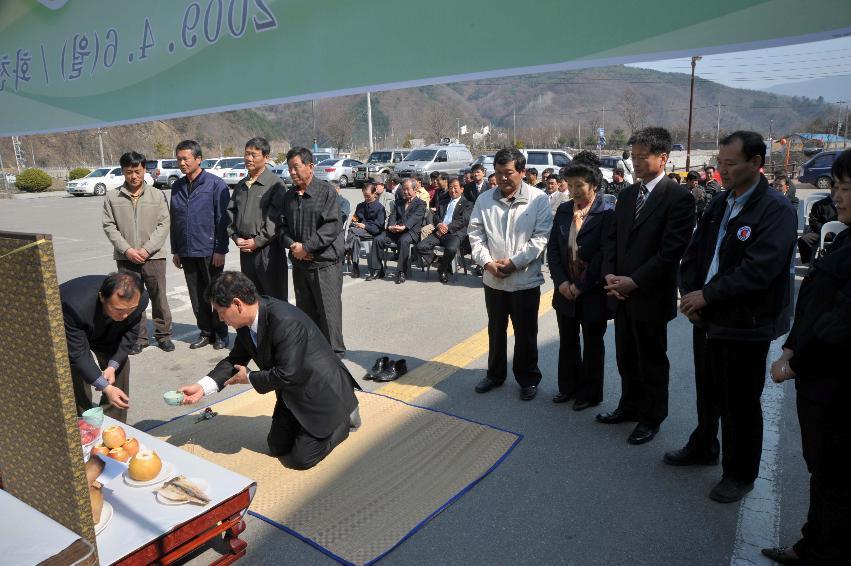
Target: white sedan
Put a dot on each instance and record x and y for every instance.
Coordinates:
(237, 173)
(341, 170)
(99, 181)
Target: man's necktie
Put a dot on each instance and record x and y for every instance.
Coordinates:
(640, 199)
(253, 336)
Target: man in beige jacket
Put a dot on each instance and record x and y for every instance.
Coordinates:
(508, 232)
(136, 221)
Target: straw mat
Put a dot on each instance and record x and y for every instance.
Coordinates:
(402, 467)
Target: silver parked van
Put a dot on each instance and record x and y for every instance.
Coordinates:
(444, 157)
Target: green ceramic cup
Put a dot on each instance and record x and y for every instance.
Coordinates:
(173, 398)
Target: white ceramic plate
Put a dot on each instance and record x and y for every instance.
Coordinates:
(166, 472)
(203, 484)
(105, 517)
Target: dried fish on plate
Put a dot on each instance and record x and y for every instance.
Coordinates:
(180, 488)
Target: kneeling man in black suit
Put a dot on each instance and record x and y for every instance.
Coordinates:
(316, 401)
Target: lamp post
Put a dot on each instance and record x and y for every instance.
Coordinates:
(694, 61)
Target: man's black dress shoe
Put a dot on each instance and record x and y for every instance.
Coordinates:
(200, 343)
(486, 384)
(782, 555)
(444, 277)
(616, 417)
(729, 490)
(686, 457)
(394, 370)
(528, 392)
(400, 277)
(582, 405)
(221, 343)
(166, 345)
(562, 398)
(137, 348)
(373, 275)
(379, 366)
(355, 274)
(642, 433)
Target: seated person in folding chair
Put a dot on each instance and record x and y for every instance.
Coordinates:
(822, 212)
(450, 227)
(403, 229)
(367, 223)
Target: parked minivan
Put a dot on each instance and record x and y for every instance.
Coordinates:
(816, 171)
(444, 157)
(164, 172)
(541, 159)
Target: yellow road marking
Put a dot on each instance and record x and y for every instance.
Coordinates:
(421, 379)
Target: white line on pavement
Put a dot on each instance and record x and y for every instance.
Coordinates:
(759, 513)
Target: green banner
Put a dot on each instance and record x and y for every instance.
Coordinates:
(72, 64)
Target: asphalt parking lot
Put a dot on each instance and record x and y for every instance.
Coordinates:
(572, 492)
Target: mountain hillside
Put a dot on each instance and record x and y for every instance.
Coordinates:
(542, 110)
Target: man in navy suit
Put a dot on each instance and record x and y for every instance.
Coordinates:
(316, 404)
(652, 227)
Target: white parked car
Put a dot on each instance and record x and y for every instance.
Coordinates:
(99, 181)
(608, 164)
(341, 170)
(238, 172)
(218, 166)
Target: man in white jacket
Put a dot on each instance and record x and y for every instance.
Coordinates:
(508, 232)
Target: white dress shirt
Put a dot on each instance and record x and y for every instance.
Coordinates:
(207, 383)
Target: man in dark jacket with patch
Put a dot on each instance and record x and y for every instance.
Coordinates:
(199, 237)
(734, 282)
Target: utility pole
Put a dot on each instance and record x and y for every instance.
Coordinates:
(694, 61)
(100, 143)
(514, 121)
(718, 126)
(770, 145)
(459, 128)
(3, 173)
(844, 141)
(839, 103)
(19, 154)
(579, 127)
(313, 113)
(369, 119)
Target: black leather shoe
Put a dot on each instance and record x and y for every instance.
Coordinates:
(166, 345)
(393, 371)
(562, 398)
(400, 278)
(373, 275)
(443, 277)
(200, 343)
(729, 490)
(220, 343)
(642, 433)
(782, 555)
(616, 417)
(137, 348)
(379, 366)
(486, 384)
(528, 392)
(582, 405)
(355, 274)
(686, 457)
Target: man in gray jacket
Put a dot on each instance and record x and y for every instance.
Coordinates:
(136, 221)
(508, 232)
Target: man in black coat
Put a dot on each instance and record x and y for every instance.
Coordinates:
(822, 212)
(735, 287)
(450, 228)
(478, 185)
(310, 228)
(316, 402)
(653, 224)
(403, 229)
(102, 315)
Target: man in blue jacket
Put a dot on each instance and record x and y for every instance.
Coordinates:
(734, 282)
(199, 237)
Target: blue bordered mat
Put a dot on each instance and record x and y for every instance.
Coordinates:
(419, 507)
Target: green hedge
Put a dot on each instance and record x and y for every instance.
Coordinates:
(33, 181)
(78, 173)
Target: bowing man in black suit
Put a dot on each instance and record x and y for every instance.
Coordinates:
(653, 224)
(316, 403)
(450, 227)
(575, 254)
(102, 315)
(403, 229)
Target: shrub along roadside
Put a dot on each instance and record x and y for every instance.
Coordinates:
(78, 173)
(33, 181)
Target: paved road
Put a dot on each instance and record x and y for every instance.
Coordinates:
(573, 492)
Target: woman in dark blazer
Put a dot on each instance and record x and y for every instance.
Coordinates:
(575, 255)
(817, 355)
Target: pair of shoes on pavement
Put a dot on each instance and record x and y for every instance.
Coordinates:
(375, 275)
(384, 369)
(219, 343)
(165, 345)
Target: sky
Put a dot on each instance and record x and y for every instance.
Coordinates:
(762, 68)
